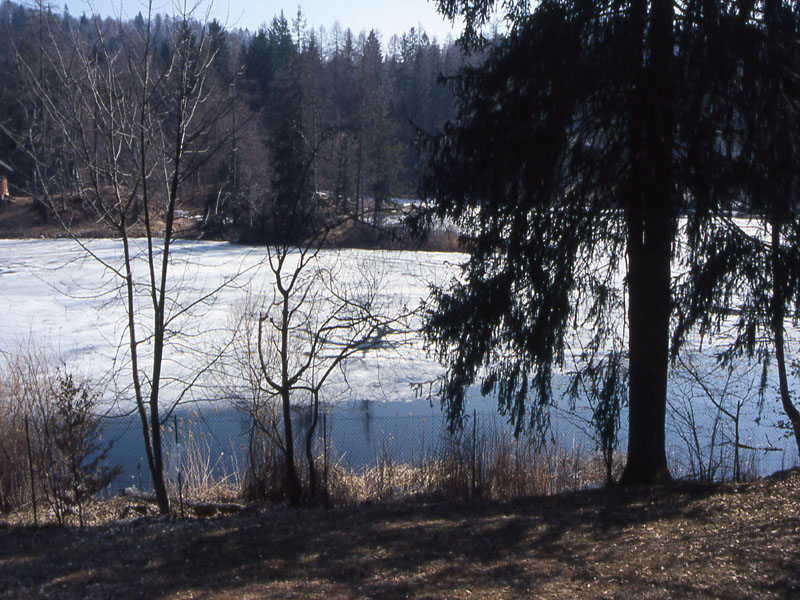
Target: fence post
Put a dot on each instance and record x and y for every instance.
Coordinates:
(474, 440)
(180, 471)
(737, 471)
(325, 458)
(30, 472)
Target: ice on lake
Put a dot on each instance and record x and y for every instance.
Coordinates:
(67, 299)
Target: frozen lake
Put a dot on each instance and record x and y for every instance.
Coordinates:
(55, 297)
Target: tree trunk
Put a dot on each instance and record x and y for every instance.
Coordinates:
(648, 327)
(151, 435)
(312, 470)
(292, 481)
(650, 231)
(159, 485)
(778, 299)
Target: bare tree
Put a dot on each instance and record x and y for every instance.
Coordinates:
(708, 409)
(322, 309)
(135, 107)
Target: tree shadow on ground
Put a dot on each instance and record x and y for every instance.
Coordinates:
(671, 541)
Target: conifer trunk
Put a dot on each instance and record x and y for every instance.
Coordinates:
(650, 227)
(648, 330)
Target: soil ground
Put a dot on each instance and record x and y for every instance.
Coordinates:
(21, 218)
(680, 541)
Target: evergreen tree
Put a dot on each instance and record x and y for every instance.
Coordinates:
(311, 97)
(420, 100)
(377, 164)
(569, 162)
(273, 64)
(291, 186)
(758, 268)
(259, 68)
(218, 40)
(343, 120)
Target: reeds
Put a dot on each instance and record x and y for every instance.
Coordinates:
(205, 471)
(492, 464)
(496, 466)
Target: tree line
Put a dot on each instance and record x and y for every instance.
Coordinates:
(318, 125)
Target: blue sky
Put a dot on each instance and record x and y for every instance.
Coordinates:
(387, 16)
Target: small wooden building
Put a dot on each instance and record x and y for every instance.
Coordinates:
(5, 171)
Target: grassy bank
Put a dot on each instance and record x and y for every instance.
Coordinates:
(682, 541)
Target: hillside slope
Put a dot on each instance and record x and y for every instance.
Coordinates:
(683, 541)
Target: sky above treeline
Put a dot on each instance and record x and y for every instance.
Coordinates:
(389, 17)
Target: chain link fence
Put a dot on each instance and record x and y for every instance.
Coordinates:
(217, 445)
(381, 453)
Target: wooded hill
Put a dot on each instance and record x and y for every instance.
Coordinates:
(331, 115)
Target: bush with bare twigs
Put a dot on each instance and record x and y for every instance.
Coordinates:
(53, 443)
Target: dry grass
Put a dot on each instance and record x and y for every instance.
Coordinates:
(681, 541)
(502, 468)
(14, 478)
(206, 475)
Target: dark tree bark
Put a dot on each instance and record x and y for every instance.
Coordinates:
(651, 227)
(293, 488)
(649, 256)
(778, 316)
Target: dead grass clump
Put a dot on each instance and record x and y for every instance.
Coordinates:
(14, 493)
(197, 469)
(496, 466)
(510, 468)
(264, 477)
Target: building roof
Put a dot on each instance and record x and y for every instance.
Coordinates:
(5, 167)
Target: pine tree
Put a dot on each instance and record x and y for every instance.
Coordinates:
(759, 270)
(377, 158)
(578, 145)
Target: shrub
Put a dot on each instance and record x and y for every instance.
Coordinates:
(13, 462)
(73, 466)
(62, 456)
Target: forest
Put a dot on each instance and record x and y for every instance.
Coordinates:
(331, 115)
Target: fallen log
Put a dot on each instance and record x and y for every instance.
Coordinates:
(201, 509)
